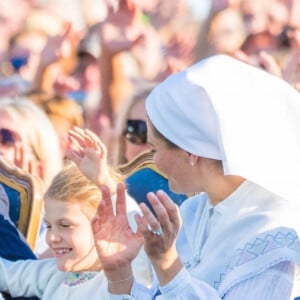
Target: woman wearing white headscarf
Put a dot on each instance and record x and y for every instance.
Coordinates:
(230, 134)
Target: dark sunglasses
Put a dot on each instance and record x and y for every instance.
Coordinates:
(136, 131)
(19, 61)
(7, 137)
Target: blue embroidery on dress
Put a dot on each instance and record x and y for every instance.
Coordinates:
(269, 243)
(193, 261)
(217, 284)
(259, 247)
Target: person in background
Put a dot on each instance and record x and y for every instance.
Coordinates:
(23, 57)
(131, 143)
(131, 128)
(28, 140)
(12, 17)
(64, 114)
(238, 237)
(227, 32)
(82, 83)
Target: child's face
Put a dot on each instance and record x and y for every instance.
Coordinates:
(70, 237)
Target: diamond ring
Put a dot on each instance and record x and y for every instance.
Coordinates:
(158, 231)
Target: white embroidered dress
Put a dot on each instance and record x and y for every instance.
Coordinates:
(248, 224)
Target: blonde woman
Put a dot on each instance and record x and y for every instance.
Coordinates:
(28, 138)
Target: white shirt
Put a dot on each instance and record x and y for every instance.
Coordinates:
(41, 278)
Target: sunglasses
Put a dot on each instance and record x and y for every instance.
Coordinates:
(18, 62)
(136, 132)
(7, 137)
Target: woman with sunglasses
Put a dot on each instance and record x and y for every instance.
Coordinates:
(132, 141)
(232, 139)
(131, 129)
(28, 138)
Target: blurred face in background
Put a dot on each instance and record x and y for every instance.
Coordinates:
(25, 53)
(11, 25)
(136, 131)
(217, 5)
(227, 31)
(255, 15)
(14, 145)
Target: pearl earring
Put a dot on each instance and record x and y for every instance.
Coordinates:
(191, 163)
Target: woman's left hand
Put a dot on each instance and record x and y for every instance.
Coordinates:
(160, 234)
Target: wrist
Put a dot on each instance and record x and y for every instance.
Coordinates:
(164, 263)
(167, 268)
(119, 273)
(120, 282)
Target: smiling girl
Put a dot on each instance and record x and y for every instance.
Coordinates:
(71, 202)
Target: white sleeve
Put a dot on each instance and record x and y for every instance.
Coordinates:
(25, 277)
(273, 284)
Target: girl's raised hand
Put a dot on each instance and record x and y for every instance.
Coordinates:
(116, 243)
(90, 155)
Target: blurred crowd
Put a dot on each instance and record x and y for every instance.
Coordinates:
(68, 64)
(83, 62)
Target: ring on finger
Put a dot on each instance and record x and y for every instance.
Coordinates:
(157, 231)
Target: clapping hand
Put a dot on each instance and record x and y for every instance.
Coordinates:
(160, 235)
(116, 243)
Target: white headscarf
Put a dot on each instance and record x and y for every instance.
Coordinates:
(222, 108)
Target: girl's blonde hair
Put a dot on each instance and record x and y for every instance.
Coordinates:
(71, 185)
